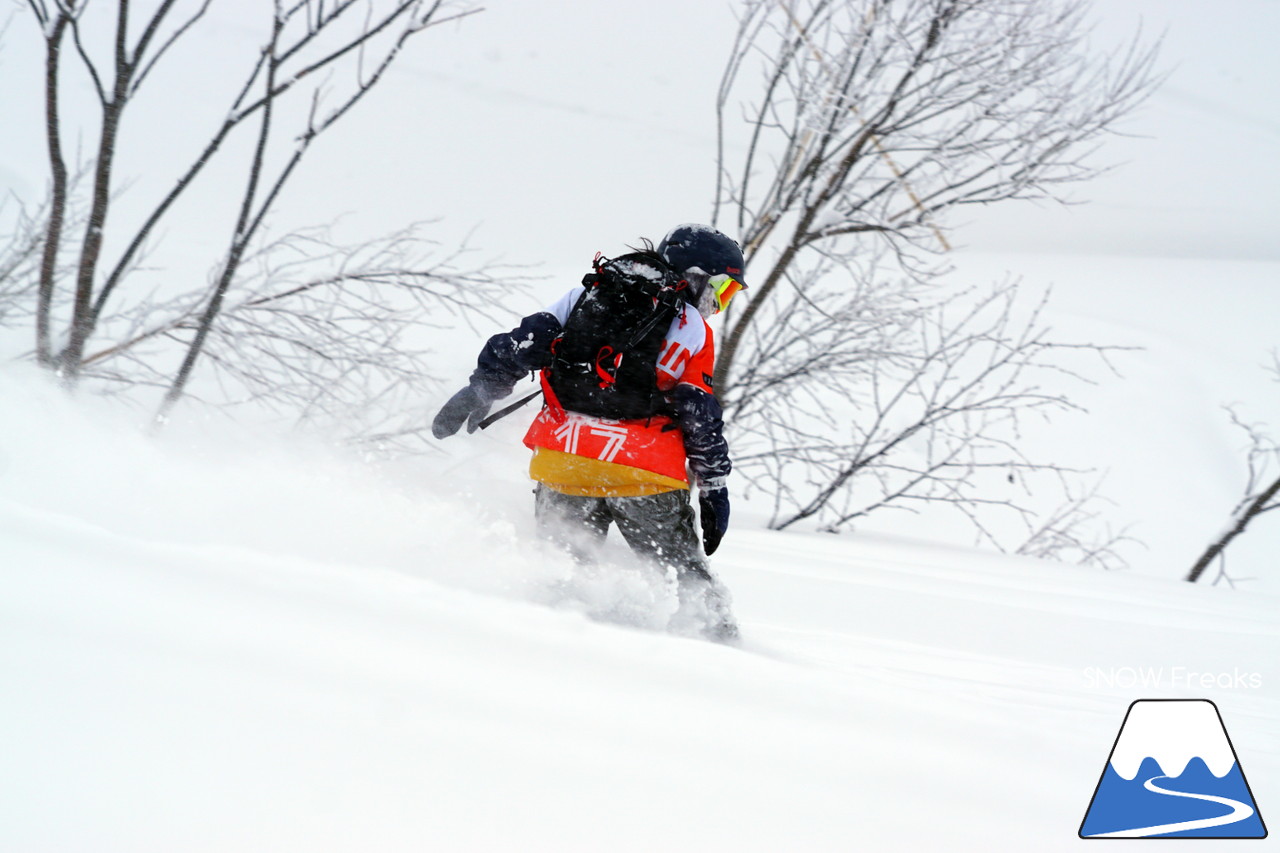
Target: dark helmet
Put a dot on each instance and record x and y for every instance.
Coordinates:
(704, 247)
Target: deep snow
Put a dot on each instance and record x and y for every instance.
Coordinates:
(209, 645)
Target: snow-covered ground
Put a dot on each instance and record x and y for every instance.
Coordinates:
(1198, 335)
(208, 644)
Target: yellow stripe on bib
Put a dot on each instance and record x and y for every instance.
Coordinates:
(585, 477)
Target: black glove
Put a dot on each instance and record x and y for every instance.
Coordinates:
(713, 505)
(467, 406)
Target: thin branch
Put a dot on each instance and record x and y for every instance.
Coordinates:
(164, 48)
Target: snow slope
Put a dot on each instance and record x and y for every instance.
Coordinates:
(1200, 334)
(209, 645)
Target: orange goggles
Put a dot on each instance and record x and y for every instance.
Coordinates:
(725, 287)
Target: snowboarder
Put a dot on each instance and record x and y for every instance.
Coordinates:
(626, 363)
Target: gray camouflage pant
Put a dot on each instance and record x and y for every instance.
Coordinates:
(659, 528)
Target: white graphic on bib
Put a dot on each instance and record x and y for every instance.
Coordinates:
(614, 435)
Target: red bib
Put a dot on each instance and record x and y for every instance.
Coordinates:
(639, 443)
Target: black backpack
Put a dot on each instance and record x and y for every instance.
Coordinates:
(604, 362)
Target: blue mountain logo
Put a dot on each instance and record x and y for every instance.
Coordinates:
(1173, 773)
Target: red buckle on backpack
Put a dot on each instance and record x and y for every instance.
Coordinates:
(607, 378)
(558, 413)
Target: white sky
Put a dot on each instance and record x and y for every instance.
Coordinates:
(555, 130)
(572, 126)
(1200, 176)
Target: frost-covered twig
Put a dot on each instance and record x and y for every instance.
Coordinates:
(118, 52)
(875, 394)
(1261, 493)
(323, 333)
(847, 132)
(842, 121)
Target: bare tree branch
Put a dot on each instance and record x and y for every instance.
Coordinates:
(55, 29)
(145, 70)
(859, 397)
(302, 325)
(311, 40)
(323, 332)
(1261, 493)
(877, 118)
(243, 230)
(852, 381)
